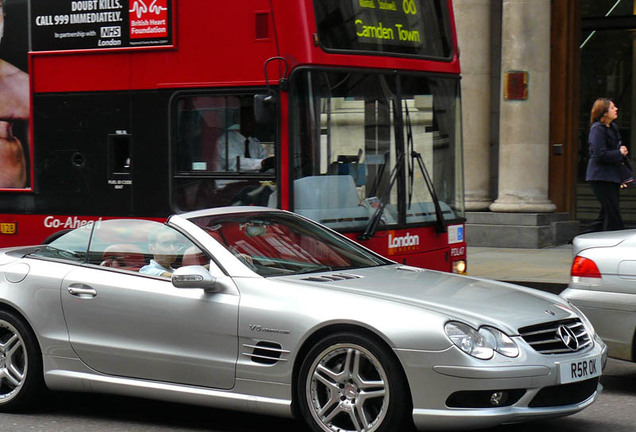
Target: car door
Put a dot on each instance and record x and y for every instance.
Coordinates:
(141, 327)
(124, 323)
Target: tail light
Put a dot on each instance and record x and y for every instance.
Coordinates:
(584, 271)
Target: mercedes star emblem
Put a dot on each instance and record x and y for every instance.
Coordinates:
(568, 337)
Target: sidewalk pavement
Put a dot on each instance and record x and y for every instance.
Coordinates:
(547, 269)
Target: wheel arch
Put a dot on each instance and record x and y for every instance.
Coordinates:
(32, 385)
(6, 307)
(331, 329)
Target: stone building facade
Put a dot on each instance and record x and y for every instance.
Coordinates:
(531, 70)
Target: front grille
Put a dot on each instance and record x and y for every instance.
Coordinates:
(565, 394)
(557, 337)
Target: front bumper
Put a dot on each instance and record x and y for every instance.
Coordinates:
(527, 387)
(453, 419)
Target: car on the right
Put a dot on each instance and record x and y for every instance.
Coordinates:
(603, 286)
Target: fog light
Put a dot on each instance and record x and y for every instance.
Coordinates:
(487, 399)
(498, 398)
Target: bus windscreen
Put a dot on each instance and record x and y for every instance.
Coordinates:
(402, 27)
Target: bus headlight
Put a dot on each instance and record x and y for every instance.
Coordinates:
(460, 267)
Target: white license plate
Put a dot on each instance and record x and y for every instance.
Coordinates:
(579, 370)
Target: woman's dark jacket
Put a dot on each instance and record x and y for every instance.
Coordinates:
(605, 154)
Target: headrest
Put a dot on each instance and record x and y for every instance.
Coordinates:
(124, 255)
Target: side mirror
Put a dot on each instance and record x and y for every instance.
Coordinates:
(265, 108)
(194, 277)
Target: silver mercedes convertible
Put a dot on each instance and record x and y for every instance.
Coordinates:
(265, 311)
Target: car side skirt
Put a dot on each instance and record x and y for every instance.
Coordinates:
(269, 398)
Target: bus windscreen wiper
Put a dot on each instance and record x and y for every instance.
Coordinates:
(440, 225)
(372, 225)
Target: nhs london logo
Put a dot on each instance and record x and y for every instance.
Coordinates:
(110, 32)
(455, 234)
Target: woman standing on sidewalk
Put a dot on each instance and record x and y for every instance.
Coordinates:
(603, 169)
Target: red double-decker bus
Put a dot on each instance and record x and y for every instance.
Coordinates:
(345, 111)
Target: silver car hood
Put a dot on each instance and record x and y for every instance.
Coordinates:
(476, 301)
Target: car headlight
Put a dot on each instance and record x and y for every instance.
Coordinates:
(469, 340)
(500, 341)
(482, 343)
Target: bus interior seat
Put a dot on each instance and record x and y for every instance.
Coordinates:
(213, 120)
(331, 200)
(210, 129)
(123, 256)
(350, 165)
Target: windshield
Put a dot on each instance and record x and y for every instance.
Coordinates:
(276, 244)
(364, 140)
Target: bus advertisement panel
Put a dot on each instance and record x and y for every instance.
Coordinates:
(100, 24)
(346, 112)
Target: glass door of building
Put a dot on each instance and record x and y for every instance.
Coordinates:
(608, 37)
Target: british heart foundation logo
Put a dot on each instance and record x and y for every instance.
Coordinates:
(148, 19)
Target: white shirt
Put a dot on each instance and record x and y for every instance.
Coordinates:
(236, 147)
(155, 269)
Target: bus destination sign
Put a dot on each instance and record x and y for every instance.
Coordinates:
(100, 24)
(390, 22)
(411, 27)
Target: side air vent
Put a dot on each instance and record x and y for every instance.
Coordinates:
(267, 353)
(332, 277)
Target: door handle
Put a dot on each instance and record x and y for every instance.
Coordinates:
(82, 292)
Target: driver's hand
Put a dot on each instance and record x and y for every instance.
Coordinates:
(268, 163)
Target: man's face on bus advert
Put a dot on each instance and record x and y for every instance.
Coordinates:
(14, 82)
(14, 106)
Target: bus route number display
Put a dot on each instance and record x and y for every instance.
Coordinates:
(100, 24)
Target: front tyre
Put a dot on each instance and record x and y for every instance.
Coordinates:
(20, 364)
(350, 382)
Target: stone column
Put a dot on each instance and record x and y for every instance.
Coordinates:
(473, 21)
(525, 124)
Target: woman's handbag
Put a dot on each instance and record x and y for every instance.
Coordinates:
(627, 174)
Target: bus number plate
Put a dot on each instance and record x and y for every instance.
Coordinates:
(8, 228)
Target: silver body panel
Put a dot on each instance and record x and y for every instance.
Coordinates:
(121, 332)
(610, 303)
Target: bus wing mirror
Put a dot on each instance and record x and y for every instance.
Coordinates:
(265, 108)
